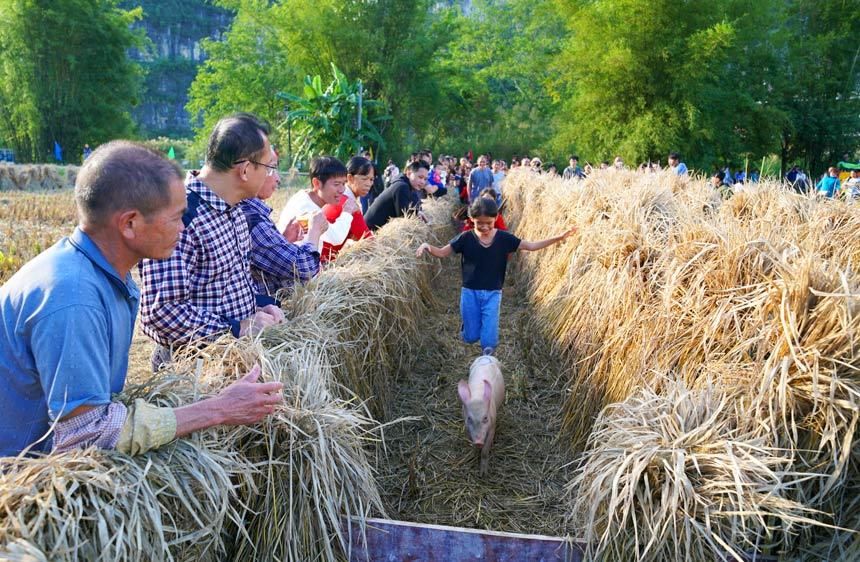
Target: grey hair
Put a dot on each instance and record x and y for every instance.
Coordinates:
(123, 175)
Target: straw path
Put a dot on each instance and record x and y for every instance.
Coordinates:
(428, 471)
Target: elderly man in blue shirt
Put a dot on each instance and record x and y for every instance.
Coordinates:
(68, 318)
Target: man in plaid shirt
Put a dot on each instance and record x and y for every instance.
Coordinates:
(277, 262)
(205, 288)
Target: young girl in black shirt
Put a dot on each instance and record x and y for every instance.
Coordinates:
(484, 254)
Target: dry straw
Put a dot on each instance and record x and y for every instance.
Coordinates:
(36, 177)
(90, 505)
(278, 491)
(757, 295)
(369, 303)
(679, 475)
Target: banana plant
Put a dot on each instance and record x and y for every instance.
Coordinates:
(326, 121)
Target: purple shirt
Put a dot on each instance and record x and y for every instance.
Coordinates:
(275, 263)
(205, 288)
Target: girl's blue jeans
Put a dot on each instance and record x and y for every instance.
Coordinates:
(480, 312)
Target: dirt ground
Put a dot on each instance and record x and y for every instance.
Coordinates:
(429, 472)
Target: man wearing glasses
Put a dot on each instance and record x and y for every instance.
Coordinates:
(278, 258)
(204, 289)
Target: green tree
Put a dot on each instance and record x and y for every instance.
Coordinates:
(500, 67)
(327, 120)
(389, 44)
(640, 78)
(820, 86)
(243, 72)
(64, 74)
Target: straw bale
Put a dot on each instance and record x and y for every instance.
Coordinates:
(172, 504)
(313, 469)
(36, 177)
(679, 475)
(277, 491)
(369, 301)
(6, 182)
(758, 295)
(347, 335)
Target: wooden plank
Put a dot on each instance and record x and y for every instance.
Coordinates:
(402, 541)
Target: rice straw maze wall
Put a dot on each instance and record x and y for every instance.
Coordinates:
(276, 492)
(711, 386)
(721, 337)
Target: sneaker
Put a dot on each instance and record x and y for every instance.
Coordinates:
(488, 351)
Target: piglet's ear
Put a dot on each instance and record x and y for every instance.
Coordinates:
(488, 390)
(463, 390)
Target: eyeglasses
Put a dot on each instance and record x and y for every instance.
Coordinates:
(271, 171)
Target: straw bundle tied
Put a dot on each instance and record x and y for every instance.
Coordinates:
(757, 295)
(89, 505)
(36, 177)
(369, 303)
(279, 491)
(676, 476)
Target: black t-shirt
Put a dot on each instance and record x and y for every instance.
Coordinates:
(484, 268)
(397, 200)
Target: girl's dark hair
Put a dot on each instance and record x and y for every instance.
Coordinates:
(483, 207)
(489, 192)
(359, 166)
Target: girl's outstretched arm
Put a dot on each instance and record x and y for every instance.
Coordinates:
(541, 244)
(434, 251)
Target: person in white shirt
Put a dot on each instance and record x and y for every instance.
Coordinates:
(852, 187)
(328, 183)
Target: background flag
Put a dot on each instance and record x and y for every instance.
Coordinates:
(171, 154)
(58, 151)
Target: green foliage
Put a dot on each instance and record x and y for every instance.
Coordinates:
(390, 45)
(244, 72)
(722, 81)
(499, 65)
(326, 121)
(69, 79)
(642, 78)
(820, 88)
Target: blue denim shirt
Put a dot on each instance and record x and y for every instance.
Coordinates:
(66, 324)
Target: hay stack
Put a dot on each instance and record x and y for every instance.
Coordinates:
(347, 334)
(170, 504)
(279, 491)
(36, 177)
(312, 469)
(368, 304)
(680, 474)
(6, 182)
(758, 294)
